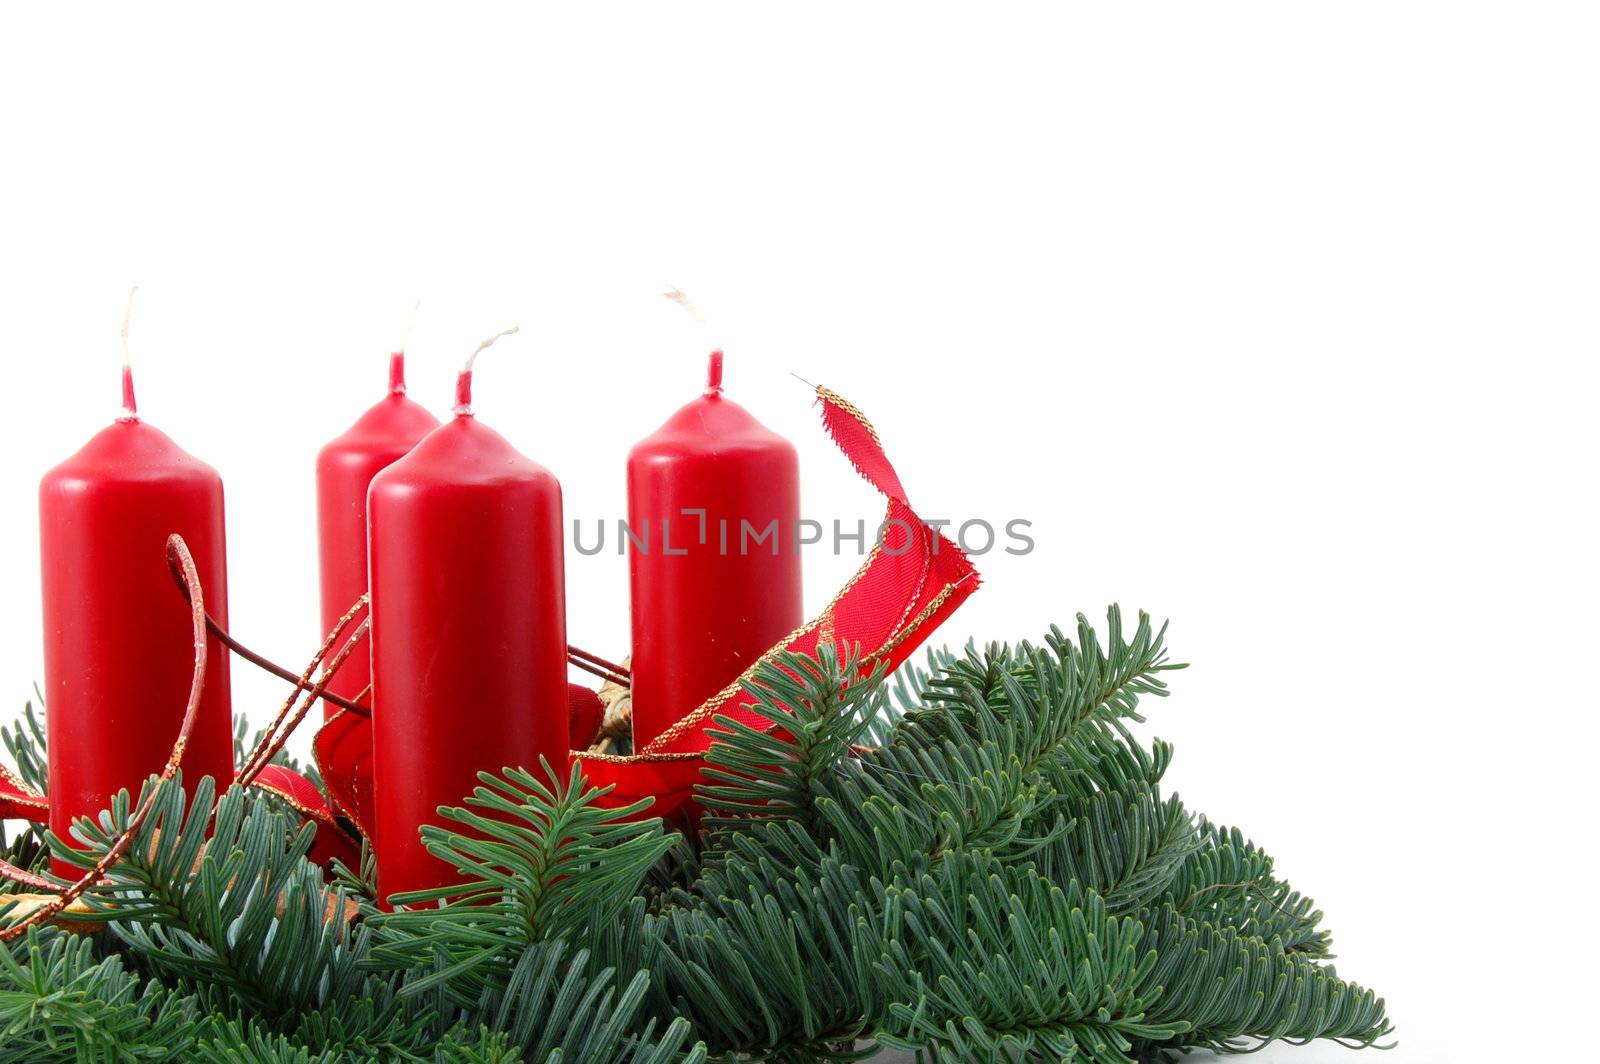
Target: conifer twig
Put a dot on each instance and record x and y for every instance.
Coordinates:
(1250, 887)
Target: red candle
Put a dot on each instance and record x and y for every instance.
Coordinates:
(469, 645)
(118, 643)
(345, 467)
(714, 498)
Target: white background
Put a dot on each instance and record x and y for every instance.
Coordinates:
(1277, 320)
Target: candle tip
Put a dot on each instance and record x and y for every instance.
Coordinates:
(463, 406)
(714, 374)
(397, 373)
(130, 407)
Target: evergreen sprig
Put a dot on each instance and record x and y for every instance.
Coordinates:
(218, 892)
(25, 742)
(542, 861)
(975, 859)
(59, 1002)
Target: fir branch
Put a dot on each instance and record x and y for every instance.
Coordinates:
(1091, 680)
(1123, 839)
(1001, 879)
(27, 849)
(814, 711)
(553, 1011)
(960, 772)
(992, 721)
(1125, 845)
(1234, 991)
(25, 740)
(361, 882)
(58, 1003)
(775, 954)
(224, 897)
(232, 1043)
(1229, 881)
(1004, 965)
(541, 861)
(365, 1029)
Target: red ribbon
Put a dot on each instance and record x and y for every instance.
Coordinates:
(300, 794)
(18, 801)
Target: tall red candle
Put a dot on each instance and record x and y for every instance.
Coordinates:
(469, 645)
(118, 643)
(714, 499)
(345, 468)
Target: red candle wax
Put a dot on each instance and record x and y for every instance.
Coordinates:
(710, 592)
(345, 467)
(469, 637)
(118, 642)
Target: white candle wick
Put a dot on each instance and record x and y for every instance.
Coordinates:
(405, 333)
(397, 357)
(463, 406)
(714, 368)
(130, 406)
(680, 297)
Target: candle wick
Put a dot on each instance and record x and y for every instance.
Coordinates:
(678, 296)
(130, 406)
(714, 374)
(397, 359)
(404, 341)
(714, 367)
(463, 406)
